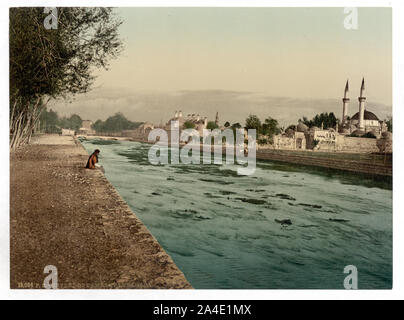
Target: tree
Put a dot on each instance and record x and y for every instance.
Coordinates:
(369, 135)
(98, 126)
(116, 123)
(49, 121)
(263, 140)
(270, 127)
(189, 125)
(212, 125)
(328, 120)
(55, 63)
(389, 123)
(234, 127)
(253, 122)
(75, 122)
(307, 122)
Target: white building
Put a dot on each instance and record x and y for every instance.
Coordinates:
(199, 122)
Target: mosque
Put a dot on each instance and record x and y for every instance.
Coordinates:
(352, 134)
(362, 121)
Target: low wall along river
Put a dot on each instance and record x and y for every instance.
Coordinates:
(221, 229)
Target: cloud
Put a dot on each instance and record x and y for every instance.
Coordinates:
(233, 106)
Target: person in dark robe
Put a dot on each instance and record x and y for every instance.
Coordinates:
(93, 159)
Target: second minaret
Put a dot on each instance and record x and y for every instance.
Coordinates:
(362, 100)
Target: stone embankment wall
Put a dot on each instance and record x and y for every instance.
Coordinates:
(348, 144)
(354, 144)
(361, 166)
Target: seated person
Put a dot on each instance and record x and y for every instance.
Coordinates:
(93, 159)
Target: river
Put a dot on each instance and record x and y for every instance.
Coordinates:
(221, 230)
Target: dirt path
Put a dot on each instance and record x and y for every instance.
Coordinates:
(64, 215)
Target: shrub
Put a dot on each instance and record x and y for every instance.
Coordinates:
(369, 135)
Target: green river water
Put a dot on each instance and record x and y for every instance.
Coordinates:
(220, 228)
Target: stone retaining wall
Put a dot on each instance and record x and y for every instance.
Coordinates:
(366, 167)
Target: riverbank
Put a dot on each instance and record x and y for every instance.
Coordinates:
(373, 165)
(64, 215)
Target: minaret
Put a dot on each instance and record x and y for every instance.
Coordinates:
(217, 118)
(362, 107)
(345, 102)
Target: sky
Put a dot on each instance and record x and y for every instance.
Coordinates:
(278, 62)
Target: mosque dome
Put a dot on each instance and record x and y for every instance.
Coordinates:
(301, 127)
(367, 116)
(290, 133)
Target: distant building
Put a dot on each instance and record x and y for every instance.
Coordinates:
(199, 122)
(86, 127)
(292, 140)
(362, 121)
(346, 137)
(86, 124)
(68, 132)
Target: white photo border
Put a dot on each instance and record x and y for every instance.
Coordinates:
(398, 158)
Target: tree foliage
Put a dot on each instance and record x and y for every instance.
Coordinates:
(328, 120)
(116, 123)
(270, 127)
(59, 62)
(49, 121)
(389, 123)
(189, 125)
(46, 64)
(74, 122)
(212, 125)
(98, 125)
(253, 122)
